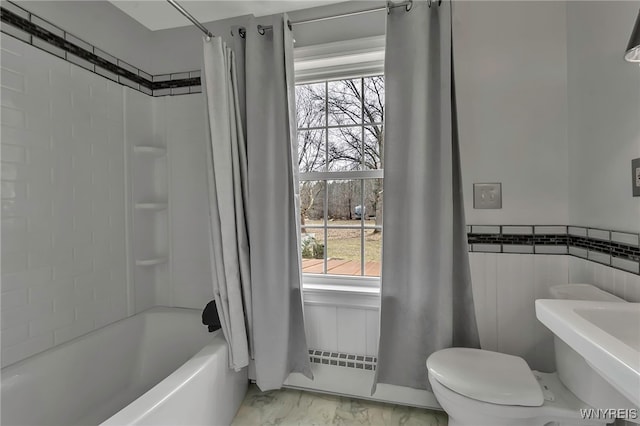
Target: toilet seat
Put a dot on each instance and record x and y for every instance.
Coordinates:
(564, 409)
(486, 376)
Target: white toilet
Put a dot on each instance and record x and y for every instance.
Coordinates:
(483, 388)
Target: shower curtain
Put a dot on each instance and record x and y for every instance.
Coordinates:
(254, 201)
(227, 173)
(427, 303)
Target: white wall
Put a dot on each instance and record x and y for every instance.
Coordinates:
(63, 201)
(604, 115)
(511, 81)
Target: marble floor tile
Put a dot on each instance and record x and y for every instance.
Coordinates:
(289, 407)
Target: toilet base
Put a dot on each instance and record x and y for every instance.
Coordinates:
(563, 411)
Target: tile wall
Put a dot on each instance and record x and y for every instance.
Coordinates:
(63, 201)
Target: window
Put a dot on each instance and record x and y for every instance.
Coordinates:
(340, 142)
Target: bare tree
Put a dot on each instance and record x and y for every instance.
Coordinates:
(311, 143)
(349, 104)
(352, 102)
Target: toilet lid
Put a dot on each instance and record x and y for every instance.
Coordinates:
(486, 376)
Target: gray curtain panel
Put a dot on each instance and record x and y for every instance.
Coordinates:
(228, 181)
(274, 230)
(427, 303)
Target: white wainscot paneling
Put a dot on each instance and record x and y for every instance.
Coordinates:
(352, 330)
(321, 327)
(623, 284)
(505, 287)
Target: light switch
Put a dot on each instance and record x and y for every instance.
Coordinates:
(635, 175)
(487, 195)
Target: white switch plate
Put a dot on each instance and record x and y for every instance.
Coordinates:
(487, 195)
(635, 175)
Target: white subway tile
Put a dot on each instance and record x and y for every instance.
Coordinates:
(10, 79)
(16, 316)
(517, 230)
(50, 322)
(578, 230)
(63, 153)
(13, 118)
(599, 234)
(14, 335)
(625, 238)
(14, 353)
(14, 298)
(13, 153)
(550, 229)
(32, 277)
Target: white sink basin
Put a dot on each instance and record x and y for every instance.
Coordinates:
(605, 334)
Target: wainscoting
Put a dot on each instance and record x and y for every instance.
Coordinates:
(505, 287)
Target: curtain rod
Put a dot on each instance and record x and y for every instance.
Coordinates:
(190, 17)
(262, 28)
(388, 7)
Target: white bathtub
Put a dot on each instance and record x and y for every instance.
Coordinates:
(160, 367)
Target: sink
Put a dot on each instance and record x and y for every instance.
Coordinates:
(605, 334)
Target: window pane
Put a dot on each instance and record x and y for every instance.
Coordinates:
(373, 201)
(344, 202)
(373, 145)
(343, 251)
(345, 148)
(373, 99)
(311, 205)
(344, 99)
(312, 247)
(372, 252)
(311, 151)
(310, 105)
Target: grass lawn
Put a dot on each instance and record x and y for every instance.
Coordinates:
(345, 243)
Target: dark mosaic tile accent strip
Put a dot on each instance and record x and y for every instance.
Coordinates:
(52, 39)
(520, 239)
(617, 249)
(340, 359)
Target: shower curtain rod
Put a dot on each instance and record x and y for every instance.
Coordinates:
(262, 28)
(190, 17)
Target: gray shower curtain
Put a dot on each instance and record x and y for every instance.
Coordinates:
(279, 339)
(227, 173)
(427, 303)
(254, 201)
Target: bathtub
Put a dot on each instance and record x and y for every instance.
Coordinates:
(160, 367)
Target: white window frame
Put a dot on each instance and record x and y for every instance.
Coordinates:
(337, 61)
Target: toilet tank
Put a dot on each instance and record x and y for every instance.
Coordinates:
(573, 371)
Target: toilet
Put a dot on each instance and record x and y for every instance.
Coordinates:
(484, 388)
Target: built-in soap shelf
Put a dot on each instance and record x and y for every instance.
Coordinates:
(151, 206)
(157, 151)
(152, 262)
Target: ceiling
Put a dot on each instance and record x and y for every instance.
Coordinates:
(160, 15)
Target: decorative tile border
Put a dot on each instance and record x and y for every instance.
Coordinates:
(29, 28)
(617, 249)
(341, 359)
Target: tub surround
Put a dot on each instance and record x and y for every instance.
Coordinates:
(134, 355)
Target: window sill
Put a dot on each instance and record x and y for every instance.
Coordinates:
(347, 292)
